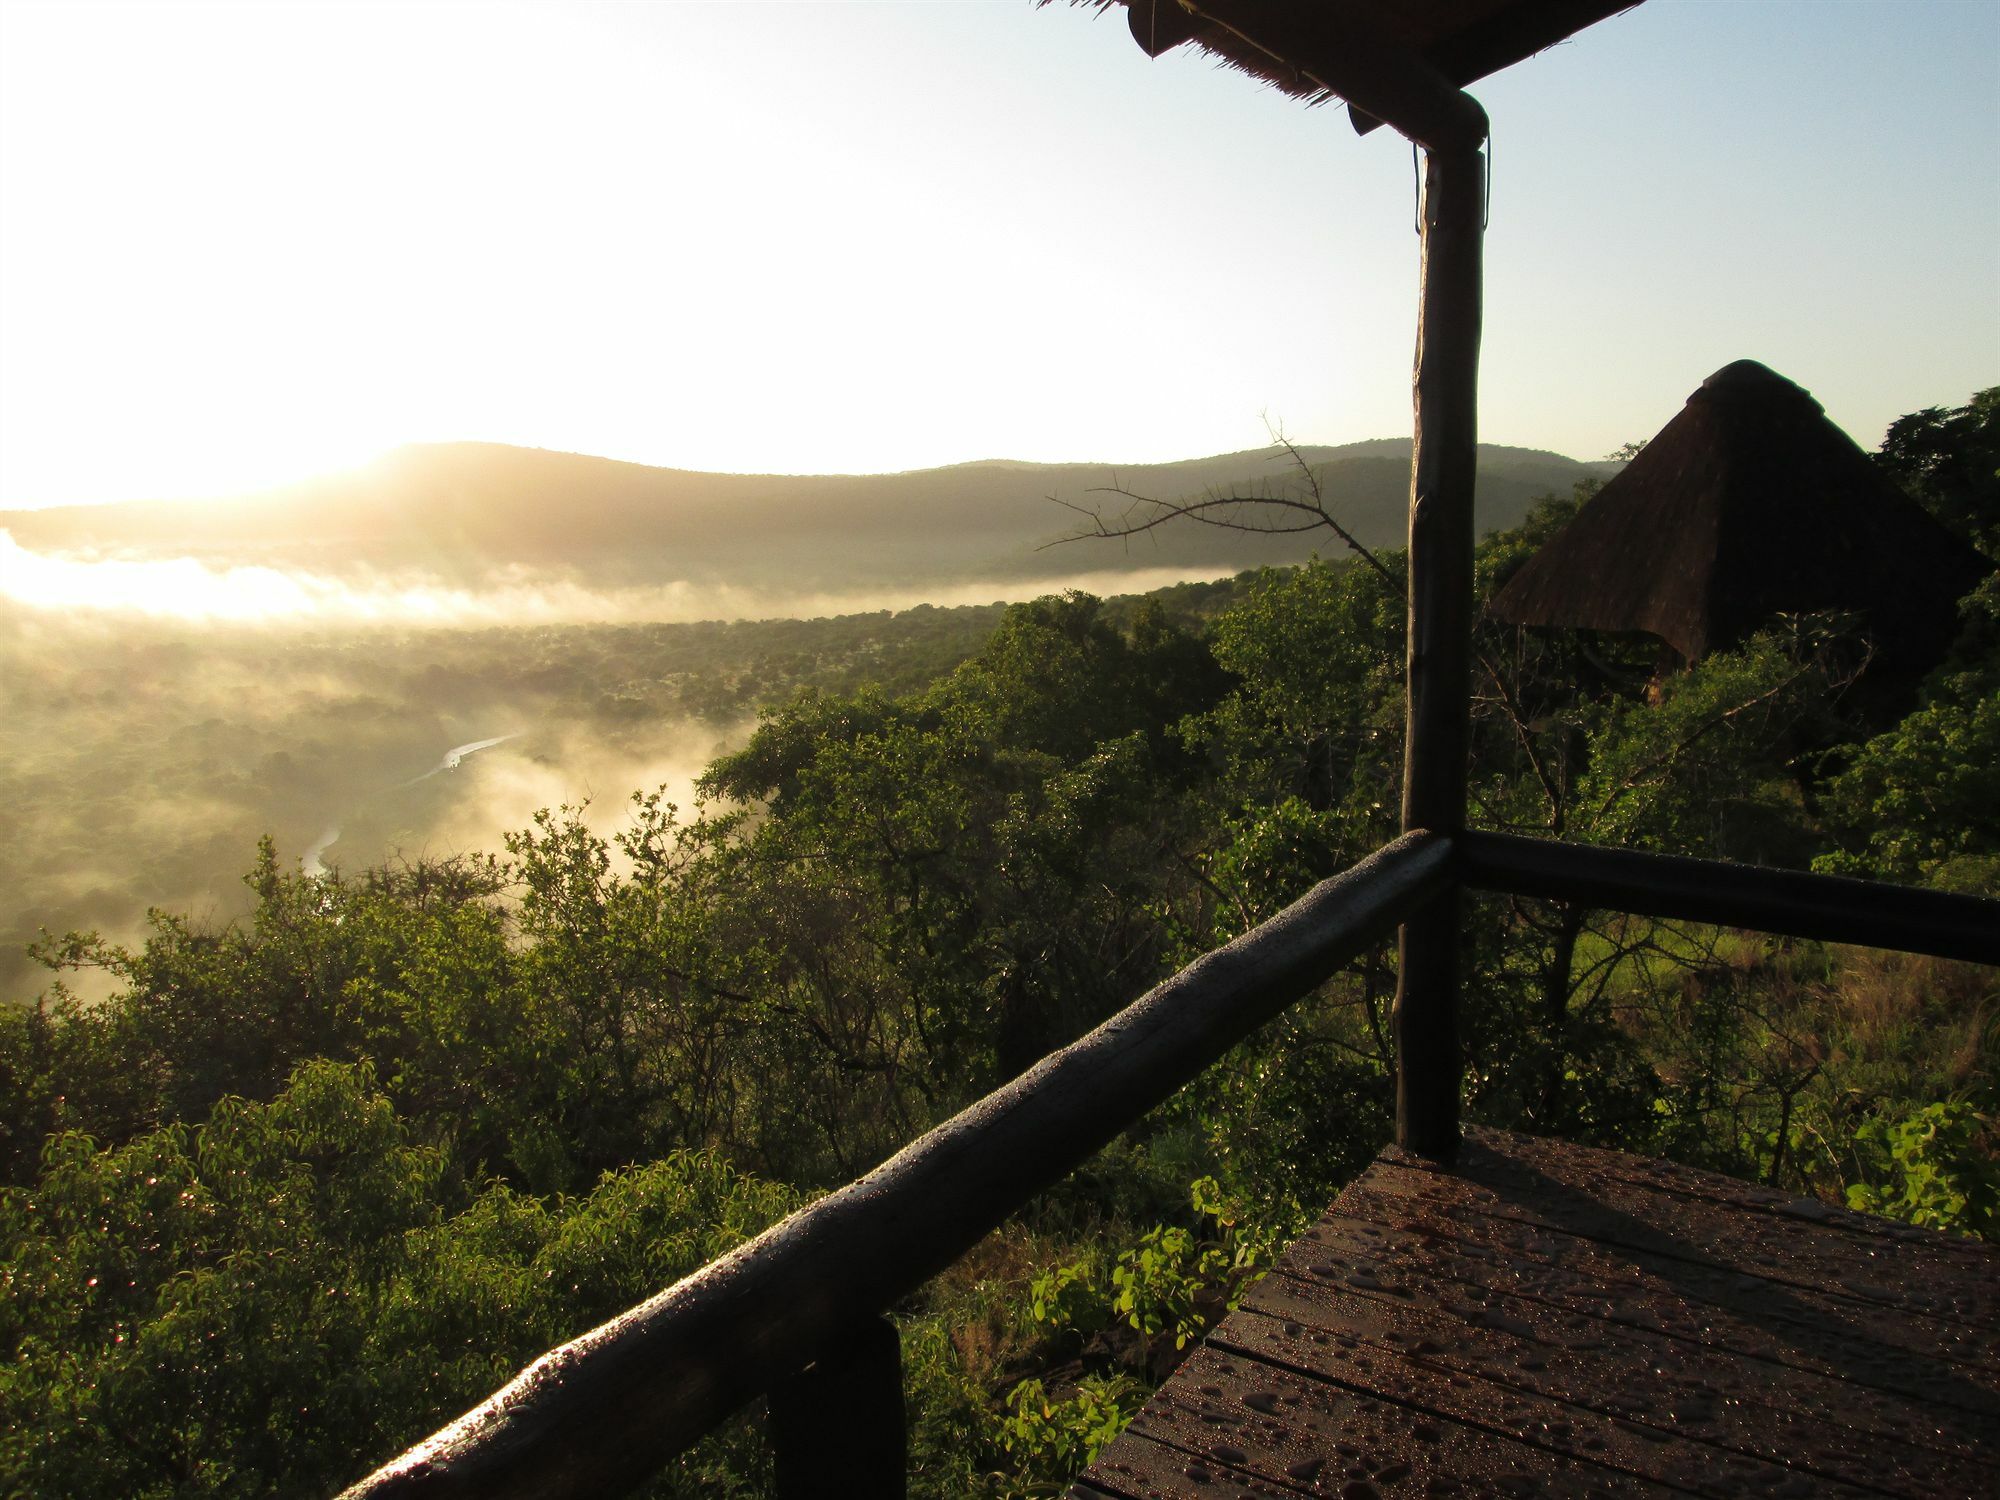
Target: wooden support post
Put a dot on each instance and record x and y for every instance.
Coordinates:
(1429, 1065)
(837, 1426)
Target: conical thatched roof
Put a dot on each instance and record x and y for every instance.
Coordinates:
(1460, 40)
(1748, 504)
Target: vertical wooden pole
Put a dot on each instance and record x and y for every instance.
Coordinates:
(837, 1427)
(1438, 729)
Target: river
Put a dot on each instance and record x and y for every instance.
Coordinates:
(313, 861)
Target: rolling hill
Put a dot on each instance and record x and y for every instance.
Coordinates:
(471, 512)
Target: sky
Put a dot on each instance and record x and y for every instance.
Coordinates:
(242, 243)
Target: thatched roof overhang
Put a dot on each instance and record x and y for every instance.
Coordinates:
(1404, 65)
(1749, 504)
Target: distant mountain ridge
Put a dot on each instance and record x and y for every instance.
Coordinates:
(471, 512)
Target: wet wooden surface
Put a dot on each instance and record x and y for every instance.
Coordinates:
(1547, 1319)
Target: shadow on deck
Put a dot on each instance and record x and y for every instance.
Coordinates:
(1548, 1319)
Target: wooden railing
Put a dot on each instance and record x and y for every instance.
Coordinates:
(1830, 908)
(797, 1313)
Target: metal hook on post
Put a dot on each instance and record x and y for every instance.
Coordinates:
(1486, 172)
(1416, 192)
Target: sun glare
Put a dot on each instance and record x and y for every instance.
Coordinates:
(181, 587)
(197, 591)
(241, 244)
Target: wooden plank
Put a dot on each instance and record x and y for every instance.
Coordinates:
(1480, 1291)
(1658, 1454)
(1152, 1471)
(1862, 1342)
(1562, 1158)
(1876, 1277)
(1146, 1469)
(1225, 1414)
(1640, 1378)
(1549, 1318)
(1504, 1159)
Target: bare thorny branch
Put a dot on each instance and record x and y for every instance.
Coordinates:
(1307, 509)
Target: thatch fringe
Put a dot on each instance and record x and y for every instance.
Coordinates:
(1462, 39)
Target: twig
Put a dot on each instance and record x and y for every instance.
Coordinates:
(1226, 511)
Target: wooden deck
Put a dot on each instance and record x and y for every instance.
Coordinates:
(1547, 1319)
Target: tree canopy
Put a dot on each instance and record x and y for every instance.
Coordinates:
(307, 1184)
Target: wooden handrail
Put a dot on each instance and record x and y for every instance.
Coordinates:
(605, 1411)
(1831, 908)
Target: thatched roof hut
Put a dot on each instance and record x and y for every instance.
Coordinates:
(1388, 56)
(1750, 503)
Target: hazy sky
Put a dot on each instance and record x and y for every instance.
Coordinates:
(241, 242)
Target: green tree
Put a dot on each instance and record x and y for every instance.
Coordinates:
(1921, 801)
(262, 1302)
(1949, 461)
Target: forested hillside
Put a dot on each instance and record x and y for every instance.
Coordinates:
(474, 513)
(138, 765)
(306, 1185)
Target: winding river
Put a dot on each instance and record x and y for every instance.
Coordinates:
(313, 861)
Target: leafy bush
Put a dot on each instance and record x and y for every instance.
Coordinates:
(1068, 1299)
(1051, 1440)
(1936, 1167)
(1172, 1281)
(262, 1302)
